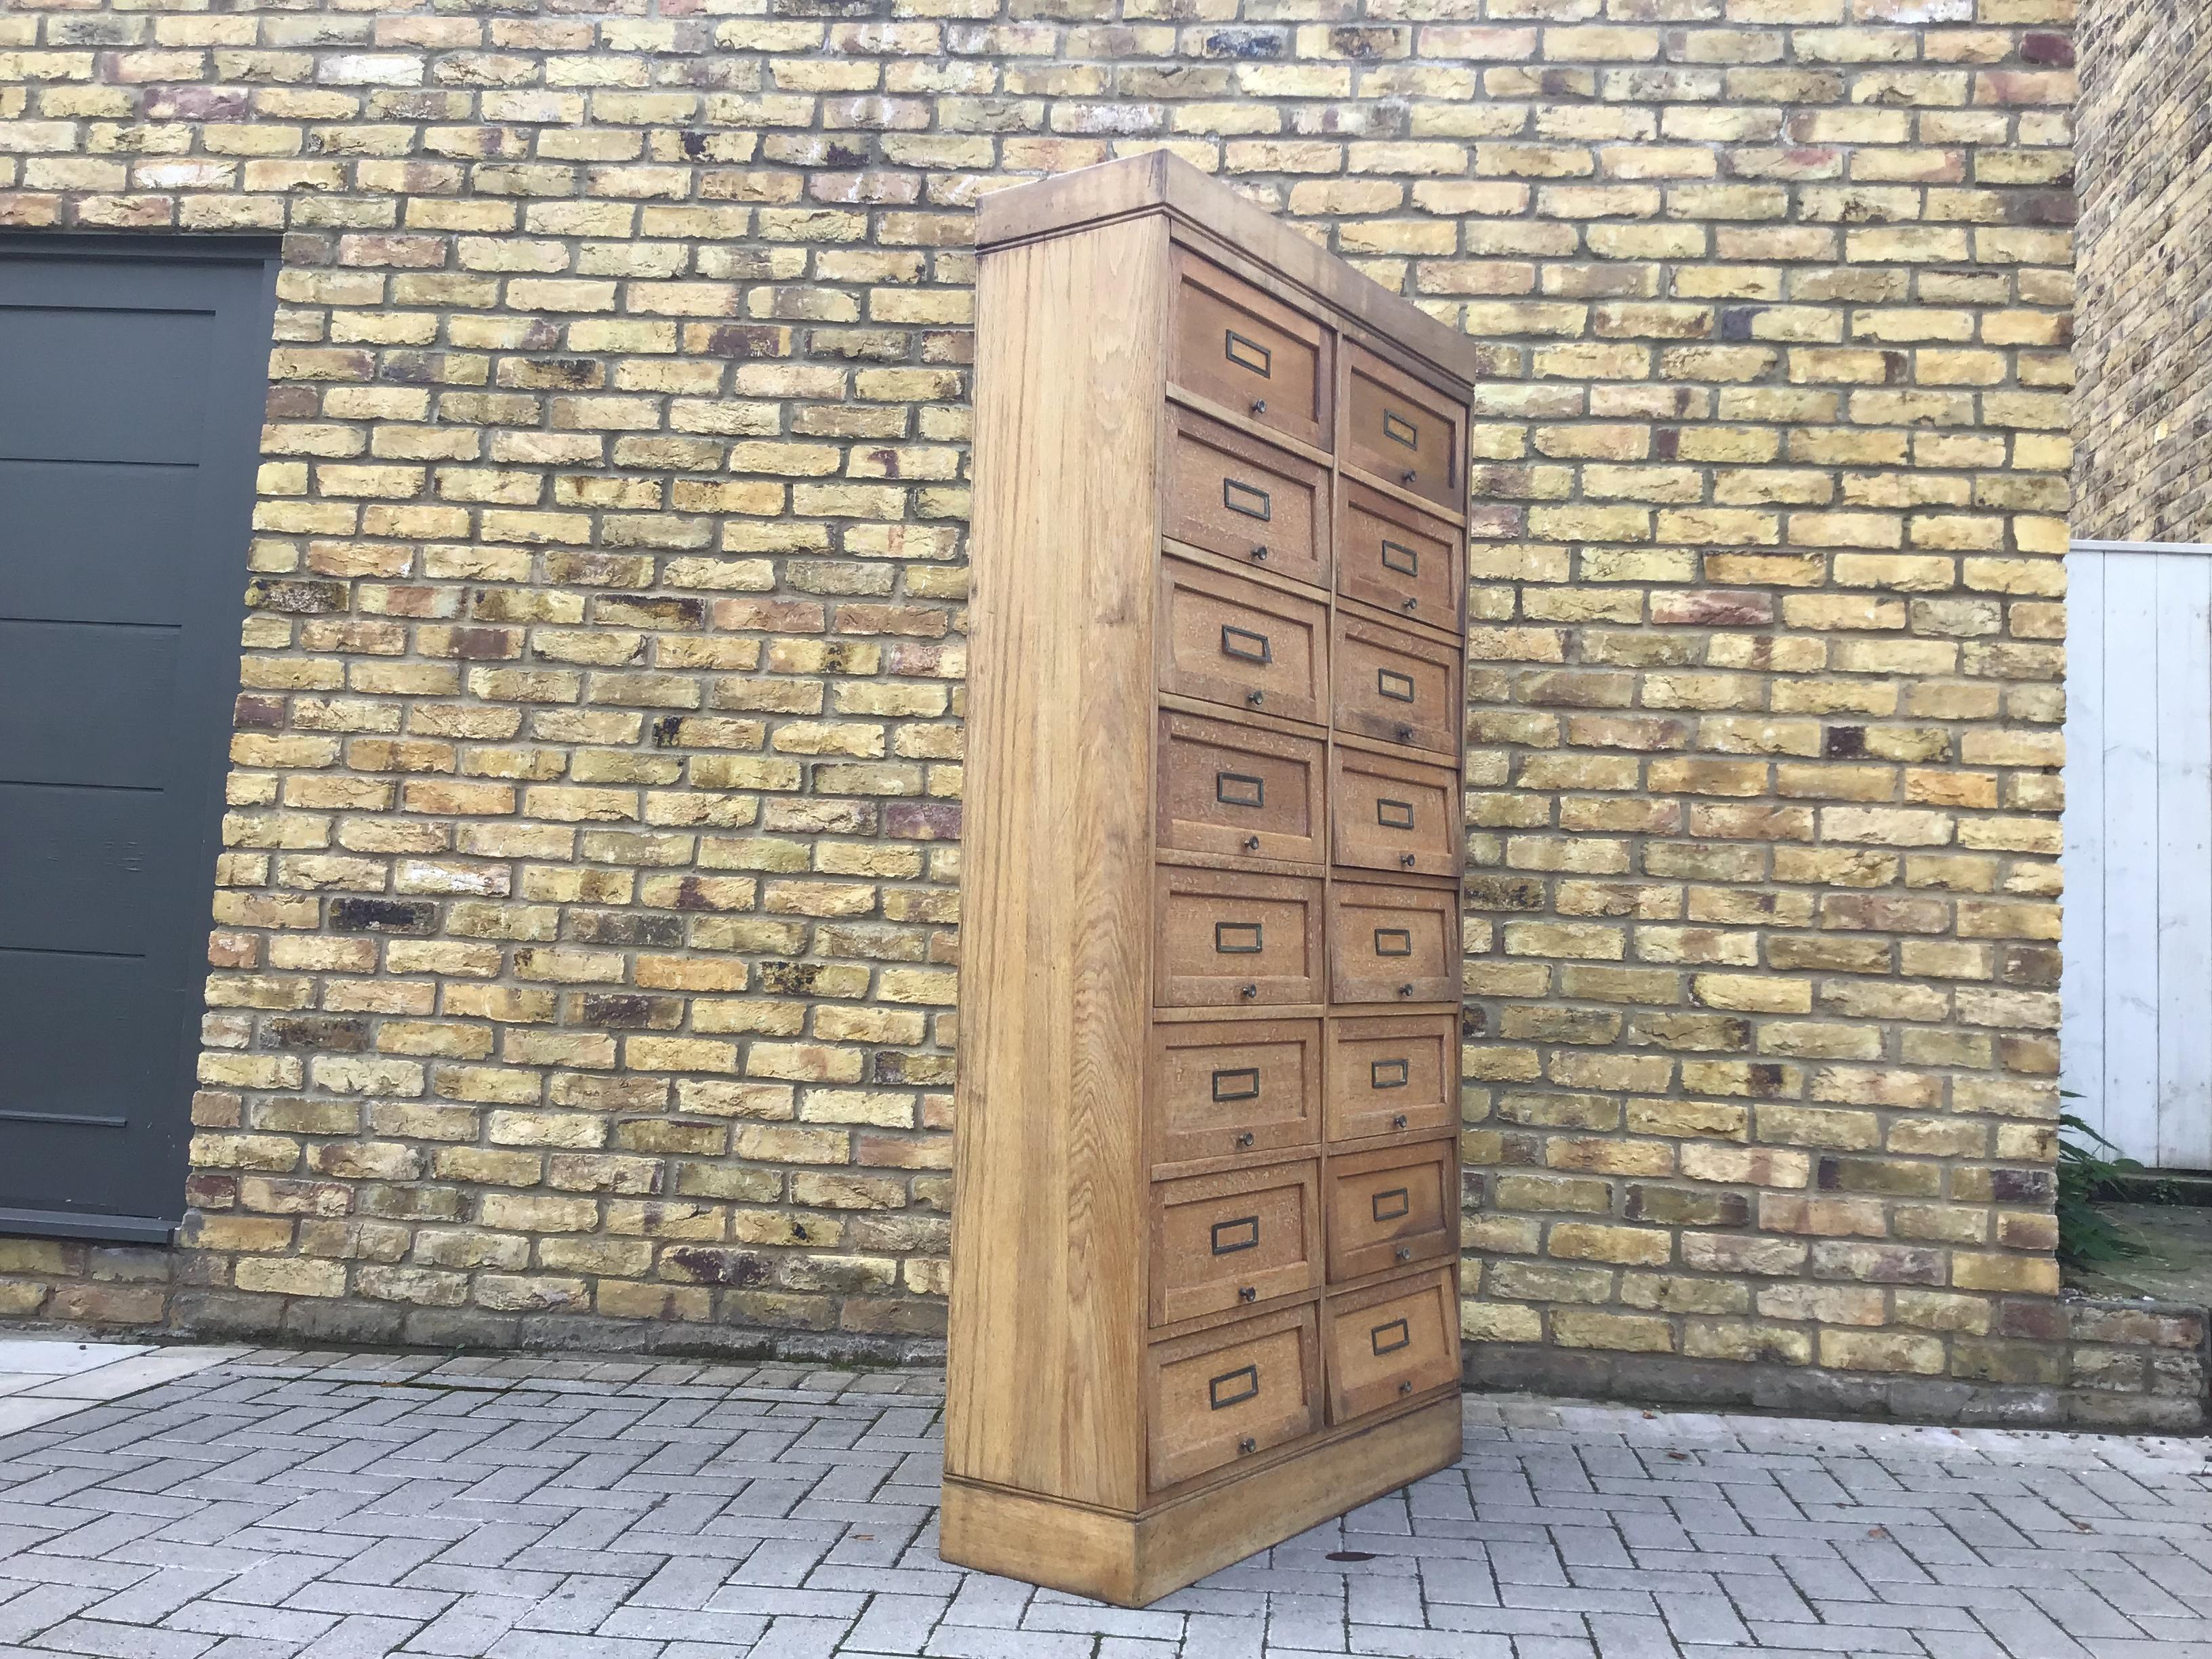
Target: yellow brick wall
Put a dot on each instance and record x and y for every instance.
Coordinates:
(2145, 169)
(585, 953)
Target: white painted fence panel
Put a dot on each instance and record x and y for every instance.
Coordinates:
(2136, 1038)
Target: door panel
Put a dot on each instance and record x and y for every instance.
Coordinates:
(129, 416)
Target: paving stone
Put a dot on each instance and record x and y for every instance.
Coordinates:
(525, 1508)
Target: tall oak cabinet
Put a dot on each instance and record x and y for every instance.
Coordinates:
(1206, 1232)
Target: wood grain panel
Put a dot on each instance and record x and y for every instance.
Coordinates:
(1056, 972)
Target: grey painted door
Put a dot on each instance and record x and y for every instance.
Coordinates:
(132, 377)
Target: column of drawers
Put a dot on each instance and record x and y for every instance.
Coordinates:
(1301, 1095)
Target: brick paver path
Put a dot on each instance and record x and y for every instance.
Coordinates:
(348, 1506)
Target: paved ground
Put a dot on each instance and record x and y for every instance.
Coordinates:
(42, 1379)
(345, 1507)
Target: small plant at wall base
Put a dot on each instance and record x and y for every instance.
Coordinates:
(2086, 1234)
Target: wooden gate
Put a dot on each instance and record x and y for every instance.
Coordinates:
(2136, 1033)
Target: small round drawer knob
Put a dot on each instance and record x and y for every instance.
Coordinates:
(1411, 604)
(1406, 1386)
(1251, 843)
(1406, 860)
(1255, 698)
(1408, 476)
(1260, 552)
(1405, 734)
(1398, 1120)
(1405, 990)
(1247, 1446)
(1259, 405)
(1246, 1293)
(1405, 1253)
(1251, 991)
(1244, 1139)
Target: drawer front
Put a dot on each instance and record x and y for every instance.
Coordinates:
(1392, 1075)
(1390, 944)
(1395, 815)
(1221, 1241)
(1390, 1209)
(1391, 1344)
(1228, 640)
(1229, 789)
(1249, 352)
(1225, 1088)
(1399, 430)
(1389, 554)
(1230, 1393)
(1397, 688)
(1227, 940)
(1241, 498)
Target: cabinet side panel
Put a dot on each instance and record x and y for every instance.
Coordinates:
(1047, 1313)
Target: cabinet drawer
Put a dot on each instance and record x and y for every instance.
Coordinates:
(1395, 815)
(1390, 555)
(1230, 788)
(1225, 640)
(1392, 1074)
(1245, 500)
(1232, 1392)
(1390, 1344)
(1226, 1087)
(1396, 687)
(1390, 1209)
(1400, 430)
(1248, 351)
(1221, 1241)
(1227, 939)
(1392, 944)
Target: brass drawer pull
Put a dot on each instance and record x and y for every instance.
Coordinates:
(1389, 681)
(1388, 941)
(1241, 789)
(1228, 1237)
(1383, 1074)
(1247, 1379)
(1399, 430)
(1401, 1335)
(1246, 645)
(1394, 814)
(1242, 1083)
(1248, 354)
(1252, 502)
(1391, 1205)
(1229, 937)
(1393, 552)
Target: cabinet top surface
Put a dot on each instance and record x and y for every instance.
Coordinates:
(1161, 182)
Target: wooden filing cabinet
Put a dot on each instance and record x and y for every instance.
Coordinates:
(1205, 1255)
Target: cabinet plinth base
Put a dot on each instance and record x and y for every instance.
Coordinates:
(1131, 1561)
